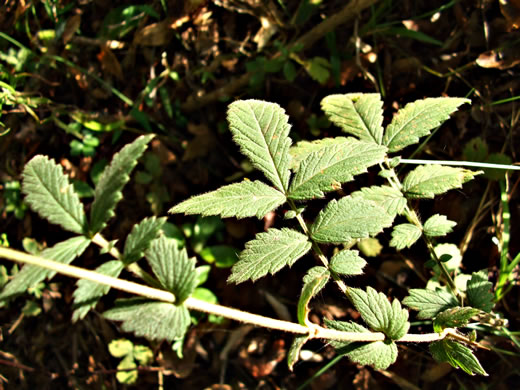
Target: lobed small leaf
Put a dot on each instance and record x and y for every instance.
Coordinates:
(380, 354)
(268, 253)
(326, 169)
(454, 317)
(405, 235)
(390, 199)
(438, 225)
(379, 314)
(359, 114)
(347, 262)
(30, 275)
(457, 355)
(417, 119)
(349, 218)
(140, 238)
(429, 303)
(109, 188)
(151, 319)
(479, 293)
(48, 191)
(426, 181)
(261, 129)
(87, 294)
(175, 271)
(241, 200)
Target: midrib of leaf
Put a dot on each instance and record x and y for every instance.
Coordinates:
(367, 128)
(63, 206)
(410, 119)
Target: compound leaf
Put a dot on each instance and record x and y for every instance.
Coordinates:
(88, 293)
(302, 149)
(268, 253)
(380, 354)
(359, 114)
(454, 317)
(114, 177)
(175, 271)
(30, 275)
(426, 181)
(417, 119)
(438, 225)
(457, 355)
(50, 194)
(313, 282)
(379, 314)
(390, 199)
(347, 262)
(349, 218)
(405, 235)
(140, 238)
(479, 293)
(429, 303)
(261, 129)
(326, 169)
(151, 319)
(244, 199)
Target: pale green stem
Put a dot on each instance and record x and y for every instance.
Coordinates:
(313, 331)
(99, 240)
(462, 164)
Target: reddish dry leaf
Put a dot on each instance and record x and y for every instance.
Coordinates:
(268, 360)
(110, 63)
(156, 34)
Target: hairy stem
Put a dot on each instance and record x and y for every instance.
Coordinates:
(313, 331)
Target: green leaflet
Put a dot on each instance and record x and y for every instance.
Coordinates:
(405, 235)
(457, 355)
(358, 114)
(294, 351)
(426, 181)
(50, 194)
(380, 354)
(347, 262)
(64, 252)
(114, 177)
(438, 225)
(429, 303)
(479, 293)
(379, 314)
(326, 169)
(150, 319)
(261, 129)
(175, 271)
(302, 149)
(244, 199)
(388, 198)
(454, 317)
(140, 238)
(349, 218)
(315, 279)
(87, 294)
(268, 253)
(417, 119)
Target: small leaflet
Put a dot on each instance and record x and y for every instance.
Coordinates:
(347, 262)
(241, 200)
(457, 355)
(479, 292)
(140, 238)
(359, 114)
(426, 181)
(438, 225)
(405, 235)
(454, 317)
(269, 252)
(429, 303)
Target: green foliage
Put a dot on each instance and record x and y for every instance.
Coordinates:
(347, 262)
(140, 238)
(130, 354)
(438, 226)
(454, 317)
(268, 253)
(313, 282)
(429, 302)
(458, 355)
(479, 292)
(405, 235)
(12, 199)
(49, 193)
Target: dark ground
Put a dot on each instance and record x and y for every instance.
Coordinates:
(180, 65)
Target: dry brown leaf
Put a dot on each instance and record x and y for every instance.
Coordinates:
(71, 27)
(511, 11)
(156, 34)
(110, 63)
(500, 58)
